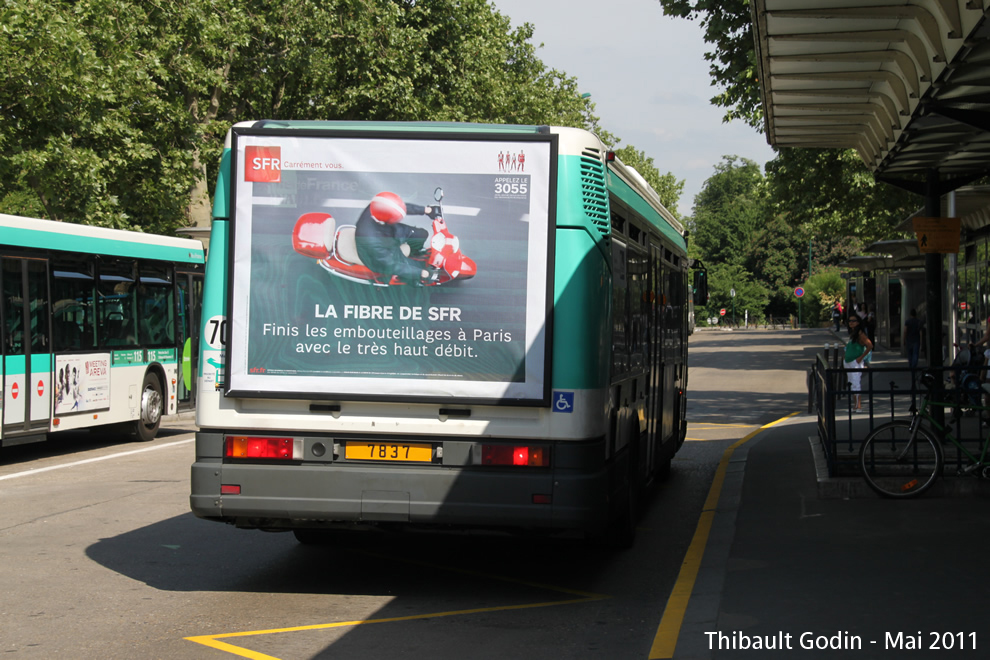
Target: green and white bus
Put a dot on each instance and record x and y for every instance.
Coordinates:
(95, 325)
(524, 368)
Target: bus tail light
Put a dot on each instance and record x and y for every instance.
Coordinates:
(249, 446)
(517, 455)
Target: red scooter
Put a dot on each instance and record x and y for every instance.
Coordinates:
(317, 235)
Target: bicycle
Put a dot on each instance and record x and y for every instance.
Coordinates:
(903, 459)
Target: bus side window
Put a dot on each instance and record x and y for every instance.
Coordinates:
(116, 304)
(156, 309)
(72, 312)
(13, 333)
(68, 336)
(620, 307)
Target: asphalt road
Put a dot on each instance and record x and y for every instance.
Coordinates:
(100, 557)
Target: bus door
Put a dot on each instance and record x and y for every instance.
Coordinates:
(27, 357)
(189, 301)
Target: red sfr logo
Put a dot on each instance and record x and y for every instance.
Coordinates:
(263, 164)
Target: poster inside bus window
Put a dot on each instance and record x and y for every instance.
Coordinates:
(414, 268)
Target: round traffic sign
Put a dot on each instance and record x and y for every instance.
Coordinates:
(799, 292)
(721, 312)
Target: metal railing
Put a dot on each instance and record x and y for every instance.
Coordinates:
(887, 393)
(769, 323)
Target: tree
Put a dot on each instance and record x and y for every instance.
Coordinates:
(831, 191)
(751, 296)
(728, 211)
(833, 194)
(76, 102)
(729, 223)
(115, 111)
(822, 291)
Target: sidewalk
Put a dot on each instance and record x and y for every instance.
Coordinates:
(842, 569)
(789, 573)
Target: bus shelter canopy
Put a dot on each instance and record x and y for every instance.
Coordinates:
(904, 83)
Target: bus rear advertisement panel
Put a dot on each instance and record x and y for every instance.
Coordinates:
(414, 268)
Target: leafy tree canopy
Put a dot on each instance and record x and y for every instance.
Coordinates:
(115, 110)
(751, 296)
(728, 210)
(821, 204)
(833, 193)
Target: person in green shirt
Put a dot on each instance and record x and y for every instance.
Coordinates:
(858, 347)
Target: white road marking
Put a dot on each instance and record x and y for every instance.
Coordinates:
(33, 471)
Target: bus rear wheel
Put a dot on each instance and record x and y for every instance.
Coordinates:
(147, 425)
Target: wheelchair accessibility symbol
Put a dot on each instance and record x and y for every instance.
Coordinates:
(563, 402)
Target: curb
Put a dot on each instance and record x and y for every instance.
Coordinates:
(855, 488)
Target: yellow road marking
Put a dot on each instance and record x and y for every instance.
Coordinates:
(673, 615)
(213, 641)
(728, 424)
(722, 428)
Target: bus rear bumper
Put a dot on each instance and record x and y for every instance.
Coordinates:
(277, 497)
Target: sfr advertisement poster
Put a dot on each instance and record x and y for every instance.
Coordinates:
(415, 268)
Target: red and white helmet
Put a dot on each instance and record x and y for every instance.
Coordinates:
(388, 207)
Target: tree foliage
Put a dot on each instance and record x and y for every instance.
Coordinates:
(728, 211)
(829, 192)
(821, 203)
(115, 111)
(85, 129)
(751, 296)
(832, 193)
(822, 291)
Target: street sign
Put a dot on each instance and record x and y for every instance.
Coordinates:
(937, 235)
(799, 292)
(721, 312)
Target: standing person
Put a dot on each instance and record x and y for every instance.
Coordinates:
(860, 311)
(985, 341)
(870, 321)
(912, 340)
(858, 347)
(837, 314)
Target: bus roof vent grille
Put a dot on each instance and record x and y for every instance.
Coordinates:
(593, 190)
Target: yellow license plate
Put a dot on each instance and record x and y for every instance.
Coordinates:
(388, 451)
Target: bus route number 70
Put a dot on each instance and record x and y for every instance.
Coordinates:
(216, 333)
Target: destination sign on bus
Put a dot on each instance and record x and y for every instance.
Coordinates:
(407, 267)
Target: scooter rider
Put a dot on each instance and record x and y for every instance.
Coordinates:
(380, 233)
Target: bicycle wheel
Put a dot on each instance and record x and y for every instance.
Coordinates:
(893, 466)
